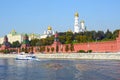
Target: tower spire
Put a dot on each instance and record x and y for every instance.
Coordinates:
(82, 26)
(76, 23)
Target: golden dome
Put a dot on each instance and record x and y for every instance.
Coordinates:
(49, 28)
(82, 21)
(76, 14)
(69, 30)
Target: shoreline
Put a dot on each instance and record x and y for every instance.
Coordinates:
(77, 56)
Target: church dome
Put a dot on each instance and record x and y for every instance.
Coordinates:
(69, 30)
(76, 14)
(82, 21)
(13, 32)
(49, 28)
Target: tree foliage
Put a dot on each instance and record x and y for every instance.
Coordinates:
(66, 48)
(57, 48)
(52, 49)
(48, 49)
(82, 37)
(71, 47)
(33, 42)
(16, 44)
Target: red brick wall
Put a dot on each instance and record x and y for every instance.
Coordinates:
(106, 46)
(118, 43)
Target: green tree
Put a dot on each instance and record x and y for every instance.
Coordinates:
(100, 35)
(57, 48)
(77, 38)
(22, 49)
(26, 50)
(33, 42)
(69, 37)
(62, 39)
(66, 48)
(52, 49)
(115, 34)
(43, 48)
(94, 35)
(83, 39)
(71, 47)
(6, 51)
(108, 35)
(48, 49)
(49, 40)
(81, 51)
(16, 44)
(31, 49)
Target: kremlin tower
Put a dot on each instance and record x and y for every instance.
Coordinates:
(79, 27)
(5, 44)
(76, 24)
(82, 26)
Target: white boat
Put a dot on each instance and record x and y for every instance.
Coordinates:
(23, 56)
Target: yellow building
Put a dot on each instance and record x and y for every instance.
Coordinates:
(14, 36)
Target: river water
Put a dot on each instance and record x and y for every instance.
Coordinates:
(11, 69)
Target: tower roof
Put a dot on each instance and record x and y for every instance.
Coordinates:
(13, 32)
(69, 30)
(49, 28)
(76, 14)
(82, 21)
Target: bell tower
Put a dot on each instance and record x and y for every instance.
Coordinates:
(76, 23)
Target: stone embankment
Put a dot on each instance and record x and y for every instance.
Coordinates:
(109, 56)
(112, 56)
(7, 55)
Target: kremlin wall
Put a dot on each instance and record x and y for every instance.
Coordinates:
(96, 47)
(57, 47)
(101, 47)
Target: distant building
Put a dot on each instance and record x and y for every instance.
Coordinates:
(79, 27)
(48, 33)
(82, 26)
(33, 36)
(5, 44)
(25, 42)
(76, 24)
(14, 36)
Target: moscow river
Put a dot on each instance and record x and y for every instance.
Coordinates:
(11, 69)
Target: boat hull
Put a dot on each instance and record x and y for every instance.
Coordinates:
(26, 57)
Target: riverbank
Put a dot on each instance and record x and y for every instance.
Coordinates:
(109, 56)
(104, 56)
(7, 55)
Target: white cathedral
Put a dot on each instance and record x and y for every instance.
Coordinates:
(79, 27)
(47, 33)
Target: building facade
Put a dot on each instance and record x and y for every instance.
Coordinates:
(48, 33)
(14, 36)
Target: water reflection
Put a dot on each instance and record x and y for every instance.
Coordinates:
(11, 69)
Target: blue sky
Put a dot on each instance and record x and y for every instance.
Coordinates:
(28, 16)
